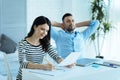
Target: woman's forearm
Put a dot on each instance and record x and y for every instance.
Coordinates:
(35, 66)
(47, 66)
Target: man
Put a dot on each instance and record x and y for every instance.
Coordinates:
(69, 40)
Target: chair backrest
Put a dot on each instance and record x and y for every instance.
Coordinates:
(9, 75)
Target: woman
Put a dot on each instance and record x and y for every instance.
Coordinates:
(35, 46)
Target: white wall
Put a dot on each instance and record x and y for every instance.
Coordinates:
(81, 9)
(112, 43)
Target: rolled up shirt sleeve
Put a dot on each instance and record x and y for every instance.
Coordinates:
(91, 29)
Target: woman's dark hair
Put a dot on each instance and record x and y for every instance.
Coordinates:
(66, 15)
(40, 21)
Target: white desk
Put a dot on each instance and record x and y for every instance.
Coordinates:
(76, 73)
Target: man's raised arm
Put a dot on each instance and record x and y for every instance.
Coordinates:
(79, 24)
(56, 24)
(82, 24)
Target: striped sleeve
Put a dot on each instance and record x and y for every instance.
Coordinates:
(52, 52)
(22, 55)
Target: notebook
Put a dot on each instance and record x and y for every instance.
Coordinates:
(86, 61)
(70, 59)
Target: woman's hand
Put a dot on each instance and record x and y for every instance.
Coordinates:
(49, 66)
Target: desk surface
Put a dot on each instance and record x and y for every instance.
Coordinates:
(75, 73)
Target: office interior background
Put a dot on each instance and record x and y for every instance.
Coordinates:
(16, 17)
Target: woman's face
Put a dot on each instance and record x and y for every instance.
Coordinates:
(41, 30)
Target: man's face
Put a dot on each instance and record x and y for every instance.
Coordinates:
(69, 24)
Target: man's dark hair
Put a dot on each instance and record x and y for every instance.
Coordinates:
(65, 15)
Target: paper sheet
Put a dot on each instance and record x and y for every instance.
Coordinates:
(70, 59)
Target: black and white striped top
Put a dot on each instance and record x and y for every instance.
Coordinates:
(30, 53)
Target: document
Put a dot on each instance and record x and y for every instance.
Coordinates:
(70, 59)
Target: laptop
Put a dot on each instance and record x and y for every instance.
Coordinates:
(70, 59)
(86, 61)
(112, 62)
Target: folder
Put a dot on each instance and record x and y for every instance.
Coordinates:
(86, 61)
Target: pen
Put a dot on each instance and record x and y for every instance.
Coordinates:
(112, 66)
(55, 68)
(47, 61)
